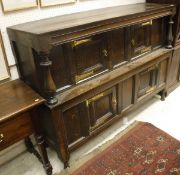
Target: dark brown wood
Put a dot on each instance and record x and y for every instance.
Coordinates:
(176, 18)
(19, 118)
(173, 80)
(104, 64)
(173, 76)
(170, 34)
(85, 47)
(85, 115)
(31, 149)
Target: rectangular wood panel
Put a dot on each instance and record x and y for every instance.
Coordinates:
(163, 72)
(116, 47)
(158, 33)
(60, 69)
(125, 94)
(140, 38)
(173, 76)
(89, 55)
(76, 123)
(102, 107)
(147, 80)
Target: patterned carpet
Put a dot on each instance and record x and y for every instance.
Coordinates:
(143, 150)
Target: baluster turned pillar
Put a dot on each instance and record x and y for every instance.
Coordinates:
(48, 85)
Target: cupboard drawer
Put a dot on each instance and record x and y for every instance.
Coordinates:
(141, 38)
(147, 80)
(102, 107)
(15, 130)
(90, 56)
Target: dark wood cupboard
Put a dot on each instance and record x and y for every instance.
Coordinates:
(173, 76)
(94, 70)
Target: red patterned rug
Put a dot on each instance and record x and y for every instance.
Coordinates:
(143, 150)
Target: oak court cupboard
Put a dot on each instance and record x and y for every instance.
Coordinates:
(94, 67)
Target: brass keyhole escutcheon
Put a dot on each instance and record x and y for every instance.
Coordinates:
(133, 42)
(105, 52)
(1, 137)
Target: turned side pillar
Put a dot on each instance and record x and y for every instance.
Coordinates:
(170, 34)
(48, 85)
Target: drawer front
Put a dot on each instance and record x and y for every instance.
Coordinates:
(102, 107)
(90, 56)
(141, 38)
(147, 80)
(14, 130)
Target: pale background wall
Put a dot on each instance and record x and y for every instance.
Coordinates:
(40, 13)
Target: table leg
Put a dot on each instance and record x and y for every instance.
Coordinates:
(40, 141)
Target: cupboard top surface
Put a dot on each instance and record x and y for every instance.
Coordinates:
(16, 97)
(89, 17)
(165, 1)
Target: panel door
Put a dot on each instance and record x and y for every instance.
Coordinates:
(102, 107)
(76, 123)
(147, 80)
(89, 56)
(141, 38)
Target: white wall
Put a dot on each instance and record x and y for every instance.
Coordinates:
(39, 13)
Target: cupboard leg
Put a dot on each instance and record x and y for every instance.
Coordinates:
(66, 165)
(62, 144)
(163, 95)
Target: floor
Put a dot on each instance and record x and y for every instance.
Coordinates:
(164, 115)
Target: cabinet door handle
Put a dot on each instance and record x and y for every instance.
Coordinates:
(150, 90)
(1, 137)
(97, 97)
(105, 52)
(79, 42)
(147, 23)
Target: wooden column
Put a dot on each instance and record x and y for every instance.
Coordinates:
(48, 85)
(170, 34)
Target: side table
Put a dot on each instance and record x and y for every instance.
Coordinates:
(19, 118)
